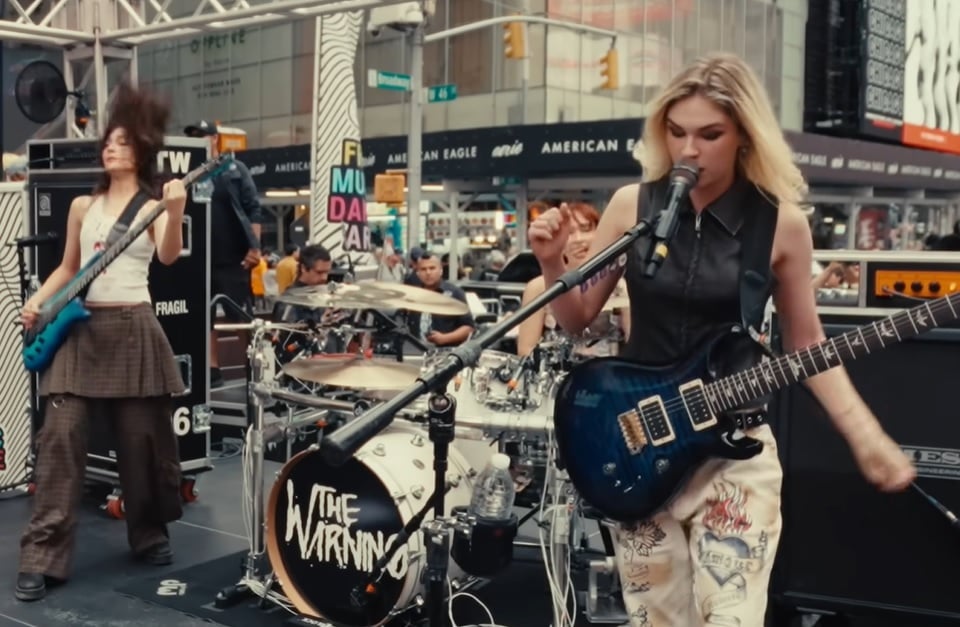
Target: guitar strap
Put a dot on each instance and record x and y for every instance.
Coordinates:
(756, 246)
(122, 225)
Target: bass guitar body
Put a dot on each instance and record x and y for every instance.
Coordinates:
(39, 352)
(630, 435)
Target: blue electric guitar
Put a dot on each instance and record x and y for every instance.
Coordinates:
(66, 308)
(630, 435)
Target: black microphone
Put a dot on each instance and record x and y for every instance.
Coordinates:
(683, 177)
(40, 239)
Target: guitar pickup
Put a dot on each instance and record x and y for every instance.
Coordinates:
(695, 402)
(656, 422)
(633, 434)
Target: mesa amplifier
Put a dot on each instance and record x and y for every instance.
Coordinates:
(60, 171)
(847, 547)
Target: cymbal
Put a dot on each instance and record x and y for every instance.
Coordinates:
(374, 295)
(352, 371)
(411, 298)
(331, 295)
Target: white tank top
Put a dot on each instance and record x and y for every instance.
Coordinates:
(126, 279)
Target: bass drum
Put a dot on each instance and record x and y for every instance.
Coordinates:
(327, 526)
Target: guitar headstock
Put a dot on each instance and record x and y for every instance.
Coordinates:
(210, 169)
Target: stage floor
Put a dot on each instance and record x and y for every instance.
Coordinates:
(211, 528)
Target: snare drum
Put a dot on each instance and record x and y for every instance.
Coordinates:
(327, 526)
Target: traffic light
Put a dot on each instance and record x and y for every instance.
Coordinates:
(514, 40)
(388, 188)
(610, 69)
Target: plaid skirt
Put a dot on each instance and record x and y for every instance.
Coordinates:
(120, 352)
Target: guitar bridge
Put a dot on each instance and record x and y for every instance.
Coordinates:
(655, 420)
(632, 430)
(695, 402)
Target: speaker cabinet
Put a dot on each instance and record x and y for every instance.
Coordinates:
(846, 546)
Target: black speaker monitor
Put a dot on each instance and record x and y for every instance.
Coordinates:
(847, 546)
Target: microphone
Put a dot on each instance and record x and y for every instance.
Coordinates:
(683, 177)
(40, 239)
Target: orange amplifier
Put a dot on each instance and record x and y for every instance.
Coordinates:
(897, 279)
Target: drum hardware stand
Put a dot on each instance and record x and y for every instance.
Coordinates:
(260, 360)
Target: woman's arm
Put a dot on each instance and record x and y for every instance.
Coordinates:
(530, 330)
(880, 459)
(576, 309)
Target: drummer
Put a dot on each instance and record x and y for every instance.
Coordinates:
(313, 269)
(604, 337)
(439, 330)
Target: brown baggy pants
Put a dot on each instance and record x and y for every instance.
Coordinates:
(148, 466)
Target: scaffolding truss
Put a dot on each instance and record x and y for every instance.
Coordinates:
(96, 33)
(127, 23)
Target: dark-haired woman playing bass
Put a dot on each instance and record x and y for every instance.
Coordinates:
(118, 365)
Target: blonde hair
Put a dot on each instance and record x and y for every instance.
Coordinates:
(728, 82)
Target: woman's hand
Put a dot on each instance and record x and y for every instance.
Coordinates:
(881, 461)
(175, 197)
(549, 234)
(29, 314)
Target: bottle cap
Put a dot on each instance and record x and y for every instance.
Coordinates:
(500, 461)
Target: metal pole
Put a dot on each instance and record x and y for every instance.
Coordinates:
(414, 139)
(525, 87)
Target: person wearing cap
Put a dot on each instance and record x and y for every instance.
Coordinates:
(235, 218)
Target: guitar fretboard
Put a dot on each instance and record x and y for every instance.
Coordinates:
(773, 374)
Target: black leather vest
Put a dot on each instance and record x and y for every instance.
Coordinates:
(698, 288)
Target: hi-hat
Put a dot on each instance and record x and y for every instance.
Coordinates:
(353, 371)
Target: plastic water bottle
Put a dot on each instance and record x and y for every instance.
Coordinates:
(493, 491)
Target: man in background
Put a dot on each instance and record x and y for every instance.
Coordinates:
(287, 268)
(235, 218)
(435, 329)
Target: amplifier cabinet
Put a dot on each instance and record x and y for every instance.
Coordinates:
(846, 546)
(180, 292)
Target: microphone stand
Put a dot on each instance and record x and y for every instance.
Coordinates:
(338, 447)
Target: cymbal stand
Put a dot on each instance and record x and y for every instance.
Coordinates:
(260, 357)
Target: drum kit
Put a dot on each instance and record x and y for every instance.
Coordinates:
(360, 534)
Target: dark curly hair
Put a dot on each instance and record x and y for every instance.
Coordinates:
(144, 116)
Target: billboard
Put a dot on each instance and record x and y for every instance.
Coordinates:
(882, 52)
(931, 81)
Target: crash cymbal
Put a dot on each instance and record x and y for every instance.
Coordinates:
(410, 298)
(352, 371)
(374, 295)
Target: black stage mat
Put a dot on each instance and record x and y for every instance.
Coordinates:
(518, 597)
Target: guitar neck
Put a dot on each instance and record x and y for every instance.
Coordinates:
(771, 375)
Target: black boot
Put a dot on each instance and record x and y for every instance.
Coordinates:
(31, 586)
(158, 555)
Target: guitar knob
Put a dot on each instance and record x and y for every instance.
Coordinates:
(609, 469)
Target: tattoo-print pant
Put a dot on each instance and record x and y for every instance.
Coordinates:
(706, 558)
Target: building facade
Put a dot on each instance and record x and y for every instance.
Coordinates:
(260, 79)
